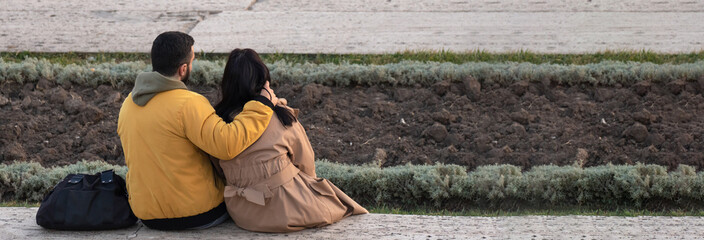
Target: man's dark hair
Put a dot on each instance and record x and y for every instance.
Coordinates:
(171, 50)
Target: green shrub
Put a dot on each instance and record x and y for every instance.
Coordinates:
(404, 73)
(24, 181)
(357, 181)
(418, 184)
(605, 187)
(492, 184)
(551, 184)
(13, 176)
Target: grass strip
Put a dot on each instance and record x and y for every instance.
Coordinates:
(558, 211)
(19, 204)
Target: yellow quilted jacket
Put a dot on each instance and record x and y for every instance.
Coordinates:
(166, 143)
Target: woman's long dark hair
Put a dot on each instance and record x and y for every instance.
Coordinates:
(244, 78)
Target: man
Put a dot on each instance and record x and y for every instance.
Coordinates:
(167, 133)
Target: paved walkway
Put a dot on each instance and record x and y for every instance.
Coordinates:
(362, 26)
(19, 223)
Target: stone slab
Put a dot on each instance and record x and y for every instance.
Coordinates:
(385, 32)
(89, 31)
(481, 6)
(363, 5)
(362, 26)
(124, 5)
(19, 223)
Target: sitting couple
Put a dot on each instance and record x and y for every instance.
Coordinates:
(169, 134)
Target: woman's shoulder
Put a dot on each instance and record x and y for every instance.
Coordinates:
(294, 111)
(284, 103)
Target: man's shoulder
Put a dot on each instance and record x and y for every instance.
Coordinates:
(184, 92)
(190, 101)
(186, 95)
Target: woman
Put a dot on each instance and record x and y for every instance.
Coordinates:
(272, 185)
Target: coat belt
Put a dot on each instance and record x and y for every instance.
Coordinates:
(256, 193)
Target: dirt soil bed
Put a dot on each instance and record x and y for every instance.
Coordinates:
(525, 124)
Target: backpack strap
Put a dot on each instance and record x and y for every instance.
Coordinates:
(76, 179)
(107, 176)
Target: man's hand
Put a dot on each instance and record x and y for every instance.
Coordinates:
(269, 94)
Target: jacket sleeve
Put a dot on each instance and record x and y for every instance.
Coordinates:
(223, 140)
(301, 152)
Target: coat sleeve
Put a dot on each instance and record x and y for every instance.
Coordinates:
(301, 152)
(223, 140)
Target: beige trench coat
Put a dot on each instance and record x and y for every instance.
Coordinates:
(272, 186)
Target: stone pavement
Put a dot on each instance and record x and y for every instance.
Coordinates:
(362, 26)
(19, 223)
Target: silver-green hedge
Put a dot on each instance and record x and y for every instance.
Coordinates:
(405, 73)
(437, 185)
(601, 186)
(29, 181)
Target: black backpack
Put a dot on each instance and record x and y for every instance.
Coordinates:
(87, 202)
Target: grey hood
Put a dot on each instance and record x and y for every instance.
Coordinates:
(148, 84)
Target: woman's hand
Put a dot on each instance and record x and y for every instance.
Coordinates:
(269, 93)
(283, 101)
